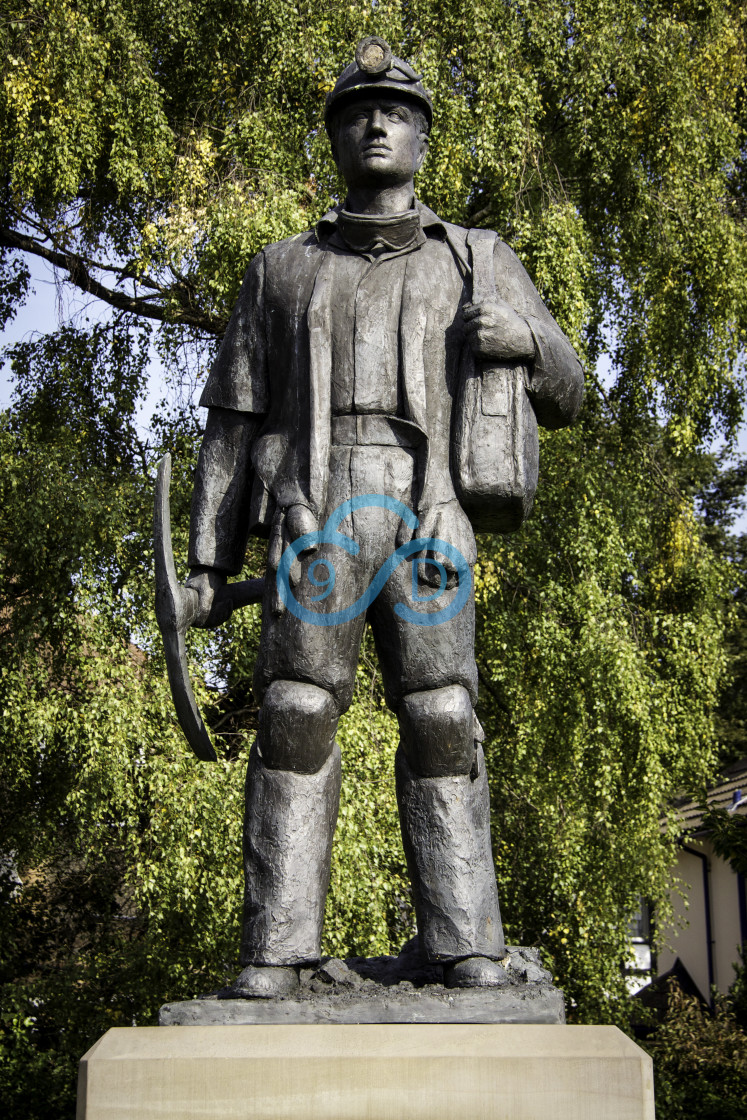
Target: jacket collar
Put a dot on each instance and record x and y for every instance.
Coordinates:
(430, 222)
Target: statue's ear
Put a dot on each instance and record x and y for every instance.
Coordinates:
(333, 132)
(422, 151)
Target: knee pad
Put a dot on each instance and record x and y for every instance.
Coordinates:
(437, 731)
(297, 725)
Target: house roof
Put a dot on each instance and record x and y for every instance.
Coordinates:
(729, 793)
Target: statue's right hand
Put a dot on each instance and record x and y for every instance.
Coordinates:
(290, 524)
(213, 608)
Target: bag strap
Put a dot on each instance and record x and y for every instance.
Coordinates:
(481, 244)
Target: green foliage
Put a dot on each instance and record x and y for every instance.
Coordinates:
(369, 911)
(14, 282)
(164, 143)
(728, 834)
(700, 1060)
(738, 993)
(722, 499)
(149, 148)
(121, 858)
(600, 645)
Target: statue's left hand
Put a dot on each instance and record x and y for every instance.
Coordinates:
(496, 332)
(447, 522)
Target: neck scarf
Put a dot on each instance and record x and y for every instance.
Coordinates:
(370, 233)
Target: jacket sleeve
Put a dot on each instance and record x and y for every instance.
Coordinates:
(238, 379)
(556, 382)
(221, 499)
(236, 396)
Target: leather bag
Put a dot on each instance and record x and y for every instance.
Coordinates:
(495, 443)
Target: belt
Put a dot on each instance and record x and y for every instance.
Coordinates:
(370, 430)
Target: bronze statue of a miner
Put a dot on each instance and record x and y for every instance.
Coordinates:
(379, 385)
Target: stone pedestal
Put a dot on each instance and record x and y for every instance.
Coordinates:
(366, 1072)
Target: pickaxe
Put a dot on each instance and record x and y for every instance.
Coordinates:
(176, 608)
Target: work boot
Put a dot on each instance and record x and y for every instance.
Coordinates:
(475, 972)
(262, 982)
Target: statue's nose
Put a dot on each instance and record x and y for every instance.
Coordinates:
(377, 123)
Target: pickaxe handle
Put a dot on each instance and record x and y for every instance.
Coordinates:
(176, 609)
(242, 594)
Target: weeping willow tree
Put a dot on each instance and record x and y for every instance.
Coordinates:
(148, 149)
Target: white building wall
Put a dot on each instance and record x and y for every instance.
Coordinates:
(689, 943)
(726, 931)
(686, 938)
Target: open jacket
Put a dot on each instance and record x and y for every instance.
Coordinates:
(274, 365)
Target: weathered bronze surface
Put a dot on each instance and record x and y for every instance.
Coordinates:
(380, 382)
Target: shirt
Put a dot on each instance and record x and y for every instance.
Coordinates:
(366, 303)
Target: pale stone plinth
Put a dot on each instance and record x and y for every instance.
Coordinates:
(366, 1072)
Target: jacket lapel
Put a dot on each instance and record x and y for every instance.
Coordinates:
(320, 381)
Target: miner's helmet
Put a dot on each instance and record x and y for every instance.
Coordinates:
(376, 69)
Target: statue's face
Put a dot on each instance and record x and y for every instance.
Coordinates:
(379, 143)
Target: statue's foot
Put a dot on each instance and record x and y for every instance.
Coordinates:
(262, 982)
(475, 972)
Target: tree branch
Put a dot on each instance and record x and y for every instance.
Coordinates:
(79, 275)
